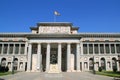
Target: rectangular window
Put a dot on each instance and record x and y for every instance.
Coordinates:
(101, 48)
(96, 48)
(107, 48)
(85, 49)
(118, 48)
(112, 48)
(34, 49)
(16, 48)
(0, 48)
(22, 49)
(11, 49)
(90, 48)
(5, 48)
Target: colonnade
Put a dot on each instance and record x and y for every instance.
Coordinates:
(48, 50)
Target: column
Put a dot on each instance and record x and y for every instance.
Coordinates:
(87, 48)
(93, 49)
(111, 66)
(104, 49)
(29, 57)
(2, 48)
(48, 57)
(78, 57)
(59, 56)
(99, 48)
(8, 48)
(26, 46)
(19, 49)
(13, 48)
(115, 49)
(81, 44)
(118, 67)
(68, 57)
(38, 57)
(110, 48)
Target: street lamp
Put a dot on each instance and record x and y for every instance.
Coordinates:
(13, 65)
(94, 66)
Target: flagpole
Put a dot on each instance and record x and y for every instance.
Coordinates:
(54, 18)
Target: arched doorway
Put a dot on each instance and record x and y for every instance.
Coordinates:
(103, 63)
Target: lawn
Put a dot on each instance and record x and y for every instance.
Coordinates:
(4, 73)
(109, 73)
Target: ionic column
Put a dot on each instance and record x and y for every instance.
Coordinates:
(81, 44)
(93, 49)
(26, 46)
(99, 48)
(2, 48)
(68, 57)
(8, 48)
(13, 48)
(59, 56)
(29, 57)
(111, 66)
(104, 49)
(110, 48)
(78, 57)
(38, 57)
(19, 49)
(115, 49)
(48, 57)
(87, 48)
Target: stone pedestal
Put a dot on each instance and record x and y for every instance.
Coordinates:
(54, 68)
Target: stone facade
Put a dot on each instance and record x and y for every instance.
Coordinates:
(59, 44)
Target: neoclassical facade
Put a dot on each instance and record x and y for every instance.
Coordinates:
(60, 44)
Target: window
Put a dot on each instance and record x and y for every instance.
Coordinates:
(96, 48)
(22, 49)
(107, 48)
(118, 48)
(101, 48)
(112, 48)
(85, 48)
(5, 48)
(91, 48)
(11, 49)
(16, 48)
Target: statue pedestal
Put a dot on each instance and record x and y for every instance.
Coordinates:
(54, 68)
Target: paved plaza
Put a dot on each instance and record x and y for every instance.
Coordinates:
(51, 76)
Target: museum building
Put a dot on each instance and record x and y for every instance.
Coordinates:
(59, 44)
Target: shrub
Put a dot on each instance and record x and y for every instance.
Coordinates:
(100, 69)
(114, 69)
(6, 69)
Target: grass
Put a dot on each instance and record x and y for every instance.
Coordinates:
(109, 73)
(6, 73)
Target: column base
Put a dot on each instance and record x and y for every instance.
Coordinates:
(68, 70)
(78, 71)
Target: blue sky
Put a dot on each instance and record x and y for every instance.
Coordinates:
(89, 15)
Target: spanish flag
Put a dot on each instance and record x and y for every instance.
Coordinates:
(56, 13)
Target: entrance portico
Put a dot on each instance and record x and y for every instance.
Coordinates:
(53, 53)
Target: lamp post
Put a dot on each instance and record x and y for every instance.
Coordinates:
(94, 66)
(13, 65)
